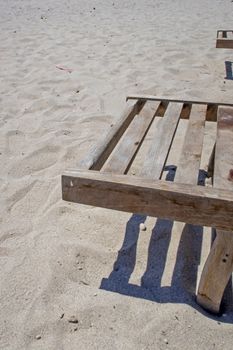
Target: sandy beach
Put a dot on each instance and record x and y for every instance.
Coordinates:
(79, 277)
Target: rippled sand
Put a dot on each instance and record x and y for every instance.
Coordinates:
(58, 259)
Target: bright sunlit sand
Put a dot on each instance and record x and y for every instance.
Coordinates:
(66, 281)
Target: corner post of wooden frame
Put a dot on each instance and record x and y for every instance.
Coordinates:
(216, 272)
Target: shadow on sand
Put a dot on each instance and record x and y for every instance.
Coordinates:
(184, 278)
(228, 68)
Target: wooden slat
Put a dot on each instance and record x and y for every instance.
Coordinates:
(125, 151)
(165, 99)
(224, 30)
(161, 143)
(189, 163)
(219, 265)
(98, 154)
(191, 204)
(224, 149)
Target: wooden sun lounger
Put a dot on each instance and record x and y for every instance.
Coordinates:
(103, 180)
(224, 39)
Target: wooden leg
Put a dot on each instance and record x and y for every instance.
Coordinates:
(211, 163)
(216, 272)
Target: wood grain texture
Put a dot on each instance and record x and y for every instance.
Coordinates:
(191, 204)
(99, 153)
(219, 265)
(126, 149)
(161, 143)
(189, 162)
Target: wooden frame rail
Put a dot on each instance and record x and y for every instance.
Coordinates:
(187, 203)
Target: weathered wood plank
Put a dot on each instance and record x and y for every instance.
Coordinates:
(224, 150)
(99, 153)
(189, 163)
(216, 272)
(219, 265)
(197, 205)
(166, 99)
(125, 151)
(158, 152)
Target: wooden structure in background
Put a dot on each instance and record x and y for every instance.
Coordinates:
(224, 39)
(103, 177)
